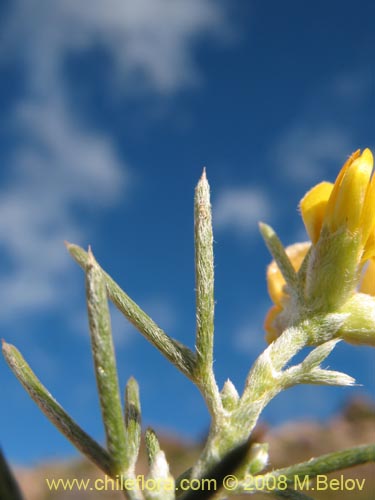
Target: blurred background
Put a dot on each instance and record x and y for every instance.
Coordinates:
(109, 112)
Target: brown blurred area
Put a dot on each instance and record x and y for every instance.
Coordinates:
(291, 443)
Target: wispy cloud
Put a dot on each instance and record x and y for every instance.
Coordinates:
(55, 166)
(58, 163)
(241, 208)
(149, 41)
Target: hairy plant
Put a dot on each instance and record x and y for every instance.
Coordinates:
(323, 293)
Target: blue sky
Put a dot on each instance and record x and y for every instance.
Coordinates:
(110, 110)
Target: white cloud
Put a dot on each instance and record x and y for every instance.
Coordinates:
(241, 208)
(59, 164)
(148, 40)
(57, 167)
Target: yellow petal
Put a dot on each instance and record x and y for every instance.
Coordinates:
(275, 280)
(271, 331)
(368, 280)
(313, 207)
(348, 206)
(368, 211)
(369, 250)
(338, 181)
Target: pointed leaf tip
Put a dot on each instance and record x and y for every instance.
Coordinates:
(266, 230)
(90, 257)
(5, 346)
(69, 246)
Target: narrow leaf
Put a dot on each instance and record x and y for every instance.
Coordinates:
(319, 354)
(205, 304)
(326, 377)
(132, 421)
(180, 355)
(159, 469)
(152, 445)
(105, 364)
(54, 412)
(277, 251)
(204, 276)
(328, 463)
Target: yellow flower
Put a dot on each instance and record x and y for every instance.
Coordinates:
(340, 221)
(348, 203)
